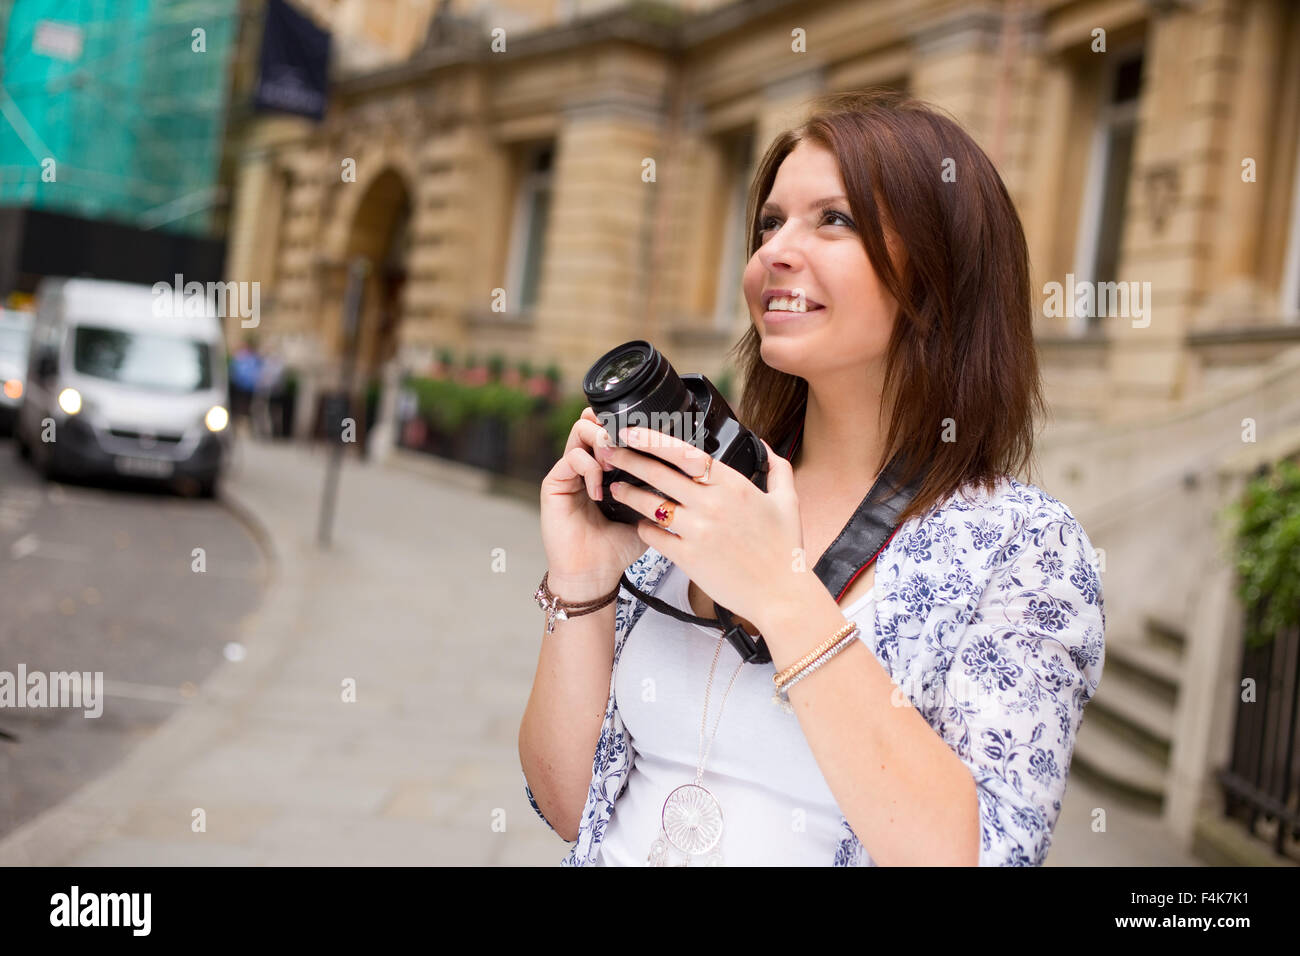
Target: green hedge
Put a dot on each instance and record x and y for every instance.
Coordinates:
(495, 400)
(448, 405)
(1267, 520)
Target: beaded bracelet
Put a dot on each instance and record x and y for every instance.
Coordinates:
(785, 675)
(781, 696)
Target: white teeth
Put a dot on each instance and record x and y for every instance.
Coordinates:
(786, 303)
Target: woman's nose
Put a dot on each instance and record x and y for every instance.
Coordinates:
(780, 250)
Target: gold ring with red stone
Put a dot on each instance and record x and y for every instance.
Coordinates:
(664, 514)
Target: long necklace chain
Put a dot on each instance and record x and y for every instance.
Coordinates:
(704, 753)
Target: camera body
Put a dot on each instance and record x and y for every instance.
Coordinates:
(634, 386)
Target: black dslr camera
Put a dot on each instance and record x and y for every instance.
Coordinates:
(634, 386)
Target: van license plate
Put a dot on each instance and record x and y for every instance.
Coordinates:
(145, 467)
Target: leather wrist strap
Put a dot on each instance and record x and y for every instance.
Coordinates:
(560, 610)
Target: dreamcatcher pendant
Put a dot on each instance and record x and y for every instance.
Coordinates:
(691, 824)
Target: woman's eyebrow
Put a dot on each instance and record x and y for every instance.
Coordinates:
(770, 206)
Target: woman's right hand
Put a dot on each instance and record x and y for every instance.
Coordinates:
(586, 552)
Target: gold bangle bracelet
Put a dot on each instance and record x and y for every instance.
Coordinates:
(781, 696)
(785, 675)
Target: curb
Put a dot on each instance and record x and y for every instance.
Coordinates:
(256, 528)
(98, 811)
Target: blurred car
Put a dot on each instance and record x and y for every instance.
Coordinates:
(15, 334)
(115, 388)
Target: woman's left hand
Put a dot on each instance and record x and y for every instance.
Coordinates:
(742, 546)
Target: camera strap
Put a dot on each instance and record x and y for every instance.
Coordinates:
(857, 545)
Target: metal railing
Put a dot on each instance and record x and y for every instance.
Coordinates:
(1261, 784)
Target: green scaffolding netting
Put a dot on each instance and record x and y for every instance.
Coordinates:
(115, 109)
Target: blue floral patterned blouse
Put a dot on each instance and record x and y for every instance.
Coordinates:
(989, 617)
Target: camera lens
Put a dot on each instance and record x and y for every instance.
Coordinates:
(635, 380)
(618, 370)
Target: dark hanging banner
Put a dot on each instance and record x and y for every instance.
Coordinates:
(294, 70)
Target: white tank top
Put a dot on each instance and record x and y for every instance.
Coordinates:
(776, 807)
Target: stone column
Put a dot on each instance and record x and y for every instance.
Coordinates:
(957, 65)
(257, 234)
(1241, 231)
(598, 242)
(1188, 72)
(247, 246)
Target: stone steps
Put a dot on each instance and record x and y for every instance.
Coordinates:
(1126, 737)
(1155, 665)
(1107, 761)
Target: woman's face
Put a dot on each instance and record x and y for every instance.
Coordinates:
(812, 248)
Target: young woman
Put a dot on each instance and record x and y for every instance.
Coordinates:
(888, 287)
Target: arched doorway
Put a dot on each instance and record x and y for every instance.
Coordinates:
(381, 233)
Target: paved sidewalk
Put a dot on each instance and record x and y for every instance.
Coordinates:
(423, 768)
(442, 649)
(1131, 836)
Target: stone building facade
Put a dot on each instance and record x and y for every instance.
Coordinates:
(498, 179)
(473, 169)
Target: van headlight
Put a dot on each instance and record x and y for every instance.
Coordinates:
(70, 401)
(217, 418)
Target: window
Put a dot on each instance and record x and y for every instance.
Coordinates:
(144, 360)
(739, 169)
(1101, 227)
(528, 236)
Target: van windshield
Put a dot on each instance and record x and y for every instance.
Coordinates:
(144, 360)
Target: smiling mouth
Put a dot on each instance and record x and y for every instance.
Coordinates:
(782, 301)
(790, 313)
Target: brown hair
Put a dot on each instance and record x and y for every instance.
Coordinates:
(963, 346)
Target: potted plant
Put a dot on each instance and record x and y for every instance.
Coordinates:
(1267, 520)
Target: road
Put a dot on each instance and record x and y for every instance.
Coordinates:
(103, 579)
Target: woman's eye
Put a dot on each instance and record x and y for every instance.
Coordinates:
(768, 223)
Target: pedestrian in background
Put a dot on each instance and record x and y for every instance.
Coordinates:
(245, 371)
(268, 388)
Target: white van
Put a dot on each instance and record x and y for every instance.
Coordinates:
(115, 387)
(15, 334)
